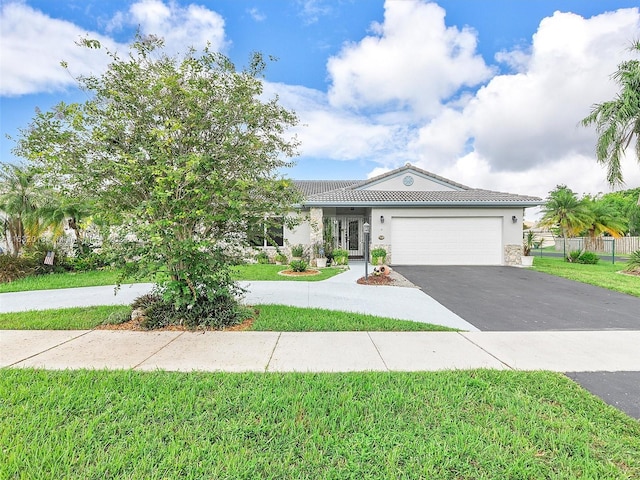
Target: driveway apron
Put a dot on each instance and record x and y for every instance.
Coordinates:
(517, 299)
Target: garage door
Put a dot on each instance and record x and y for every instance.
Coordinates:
(446, 240)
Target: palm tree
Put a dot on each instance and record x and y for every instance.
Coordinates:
(604, 220)
(19, 201)
(566, 212)
(618, 121)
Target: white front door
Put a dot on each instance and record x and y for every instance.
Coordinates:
(350, 235)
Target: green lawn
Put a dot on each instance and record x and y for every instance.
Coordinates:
(271, 318)
(439, 425)
(602, 274)
(79, 318)
(109, 277)
(270, 272)
(278, 318)
(62, 280)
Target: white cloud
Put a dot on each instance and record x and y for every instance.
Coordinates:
(521, 131)
(181, 27)
(28, 33)
(312, 10)
(327, 132)
(412, 61)
(257, 15)
(32, 47)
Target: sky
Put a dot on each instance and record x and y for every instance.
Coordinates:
(487, 93)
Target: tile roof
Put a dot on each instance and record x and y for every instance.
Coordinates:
(350, 192)
(464, 197)
(314, 187)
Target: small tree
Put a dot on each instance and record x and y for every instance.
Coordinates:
(181, 154)
(563, 210)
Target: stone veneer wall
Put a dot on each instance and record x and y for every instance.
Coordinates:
(513, 254)
(317, 227)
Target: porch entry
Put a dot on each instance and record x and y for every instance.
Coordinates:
(348, 234)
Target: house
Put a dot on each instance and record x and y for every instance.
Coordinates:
(418, 217)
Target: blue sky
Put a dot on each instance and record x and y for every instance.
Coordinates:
(488, 93)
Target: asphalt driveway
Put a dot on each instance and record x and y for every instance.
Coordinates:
(518, 299)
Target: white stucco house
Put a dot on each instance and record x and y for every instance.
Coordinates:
(420, 219)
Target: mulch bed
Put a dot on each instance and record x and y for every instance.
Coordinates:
(376, 280)
(291, 273)
(134, 325)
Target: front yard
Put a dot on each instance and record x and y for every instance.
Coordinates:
(603, 274)
(442, 425)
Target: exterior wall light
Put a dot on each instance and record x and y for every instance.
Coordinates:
(381, 218)
(514, 219)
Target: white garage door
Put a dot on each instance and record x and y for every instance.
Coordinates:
(446, 240)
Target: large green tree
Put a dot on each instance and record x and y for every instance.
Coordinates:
(181, 153)
(618, 121)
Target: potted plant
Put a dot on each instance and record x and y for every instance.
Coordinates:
(378, 256)
(321, 259)
(281, 259)
(297, 251)
(527, 245)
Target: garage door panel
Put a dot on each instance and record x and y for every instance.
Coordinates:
(447, 240)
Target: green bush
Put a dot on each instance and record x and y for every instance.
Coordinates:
(218, 312)
(299, 265)
(262, 258)
(633, 264)
(377, 253)
(37, 252)
(341, 256)
(587, 258)
(13, 268)
(297, 251)
(282, 258)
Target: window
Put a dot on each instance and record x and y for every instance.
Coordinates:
(268, 234)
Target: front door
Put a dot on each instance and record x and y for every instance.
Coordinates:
(350, 235)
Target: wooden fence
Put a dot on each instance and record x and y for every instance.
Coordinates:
(610, 245)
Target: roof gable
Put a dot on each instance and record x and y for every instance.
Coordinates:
(390, 189)
(410, 179)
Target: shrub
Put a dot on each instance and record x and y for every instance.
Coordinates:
(262, 258)
(633, 264)
(377, 253)
(299, 265)
(341, 256)
(297, 251)
(87, 259)
(282, 258)
(587, 258)
(219, 311)
(13, 268)
(37, 252)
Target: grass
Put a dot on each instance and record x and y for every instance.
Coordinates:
(279, 318)
(54, 281)
(269, 318)
(602, 274)
(440, 425)
(99, 278)
(80, 318)
(259, 271)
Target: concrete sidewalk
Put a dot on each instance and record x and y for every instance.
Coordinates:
(576, 351)
(340, 292)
